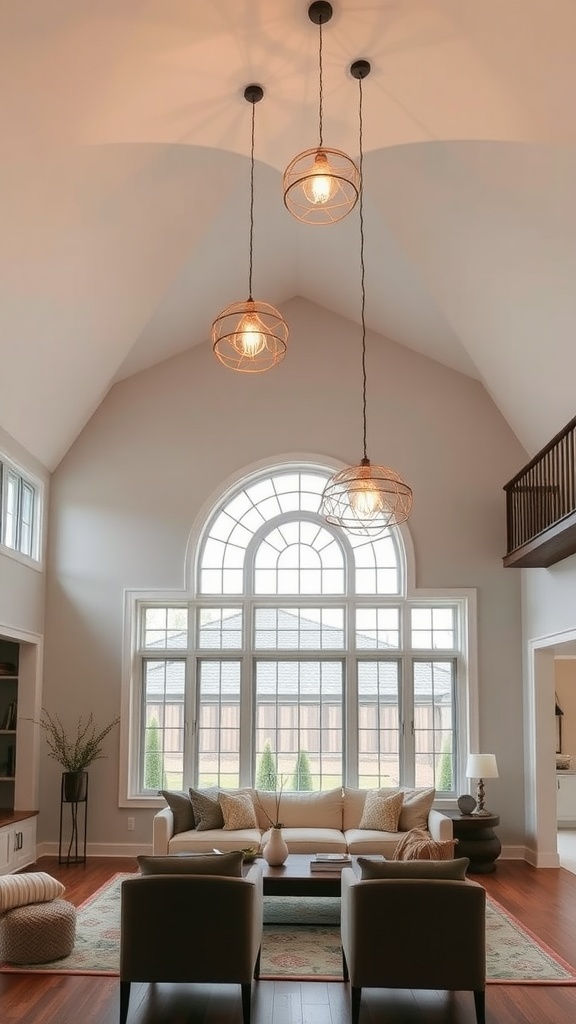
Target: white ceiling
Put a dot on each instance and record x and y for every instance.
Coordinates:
(124, 190)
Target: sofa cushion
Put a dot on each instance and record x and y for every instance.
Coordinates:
(181, 807)
(353, 804)
(311, 840)
(228, 864)
(381, 812)
(214, 839)
(29, 887)
(367, 840)
(419, 845)
(416, 807)
(301, 810)
(237, 811)
(206, 808)
(454, 870)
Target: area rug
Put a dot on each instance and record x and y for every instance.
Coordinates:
(309, 949)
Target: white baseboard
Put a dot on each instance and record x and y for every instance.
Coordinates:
(99, 849)
(541, 860)
(513, 853)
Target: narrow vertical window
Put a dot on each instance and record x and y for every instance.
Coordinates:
(18, 512)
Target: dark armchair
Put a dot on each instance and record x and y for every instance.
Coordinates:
(413, 933)
(191, 928)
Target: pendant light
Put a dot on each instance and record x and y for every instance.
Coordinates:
(321, 185)
(365, 499)
(250, 336)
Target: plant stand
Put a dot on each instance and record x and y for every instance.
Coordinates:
(74, 794)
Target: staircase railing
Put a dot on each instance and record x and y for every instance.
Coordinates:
(543, 493)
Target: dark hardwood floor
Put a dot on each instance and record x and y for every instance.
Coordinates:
(544, 900)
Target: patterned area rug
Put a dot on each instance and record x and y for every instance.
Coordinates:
(309, 949)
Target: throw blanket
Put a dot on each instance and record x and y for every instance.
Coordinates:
(418, 845)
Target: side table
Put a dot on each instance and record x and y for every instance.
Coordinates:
(476, 840)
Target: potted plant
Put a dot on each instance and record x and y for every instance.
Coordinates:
(75, 751)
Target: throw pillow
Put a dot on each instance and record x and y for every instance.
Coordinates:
(418, 845)
(455, 870)
(207, 810)
(237, 811)
(381, 812)
(30, 887)
(228, 864)
(416, 808)
(181, 807)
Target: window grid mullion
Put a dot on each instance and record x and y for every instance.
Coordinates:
(247, 657)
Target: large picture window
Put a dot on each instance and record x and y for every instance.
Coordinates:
(298, 656)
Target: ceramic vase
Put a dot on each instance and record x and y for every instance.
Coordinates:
(275, 850)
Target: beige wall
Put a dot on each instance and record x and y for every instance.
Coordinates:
(162, 443)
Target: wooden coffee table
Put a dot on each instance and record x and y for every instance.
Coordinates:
(294, 878)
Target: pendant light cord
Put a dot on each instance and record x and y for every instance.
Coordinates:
(251, 252)
(362, 266)
(320, 88)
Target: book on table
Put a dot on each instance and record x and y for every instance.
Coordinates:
(330, 861)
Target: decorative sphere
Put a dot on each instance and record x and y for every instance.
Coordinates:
(466, 803)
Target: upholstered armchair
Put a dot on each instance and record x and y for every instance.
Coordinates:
(191, 928)
(413, 933)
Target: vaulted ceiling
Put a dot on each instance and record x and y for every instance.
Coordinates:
(124, 190)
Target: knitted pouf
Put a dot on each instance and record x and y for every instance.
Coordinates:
(38, 932)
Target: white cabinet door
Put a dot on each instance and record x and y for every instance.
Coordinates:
(566, 798)
(17, 845)
(6, 842)
(24, 843)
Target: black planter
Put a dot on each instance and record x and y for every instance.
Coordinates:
(73, 794)
(74, 787)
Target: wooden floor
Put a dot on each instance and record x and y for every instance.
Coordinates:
(544, 900)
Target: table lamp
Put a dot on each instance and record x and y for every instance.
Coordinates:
(481, 766)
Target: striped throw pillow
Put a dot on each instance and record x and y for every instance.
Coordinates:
(29, 887)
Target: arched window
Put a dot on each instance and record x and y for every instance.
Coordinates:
(297, 652)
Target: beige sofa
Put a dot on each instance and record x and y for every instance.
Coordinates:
(326, 822)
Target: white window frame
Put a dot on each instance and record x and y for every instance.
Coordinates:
(24, 478)
(463, 600)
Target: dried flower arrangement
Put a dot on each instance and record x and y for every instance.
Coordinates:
(275, 821)
(74, 752)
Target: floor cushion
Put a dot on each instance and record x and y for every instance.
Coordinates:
(38, 932)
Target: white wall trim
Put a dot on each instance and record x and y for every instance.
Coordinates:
(50, 849)
(540, 747)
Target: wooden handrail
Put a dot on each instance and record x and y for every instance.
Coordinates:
(543, 493)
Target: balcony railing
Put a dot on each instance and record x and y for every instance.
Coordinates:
(541, 505)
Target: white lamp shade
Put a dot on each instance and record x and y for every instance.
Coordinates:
(482, 766)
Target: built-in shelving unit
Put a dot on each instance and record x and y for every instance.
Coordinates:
(9, 661)
(18, 754)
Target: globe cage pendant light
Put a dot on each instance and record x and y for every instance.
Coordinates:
(365, 499)
(250, 336)
(321, 185)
